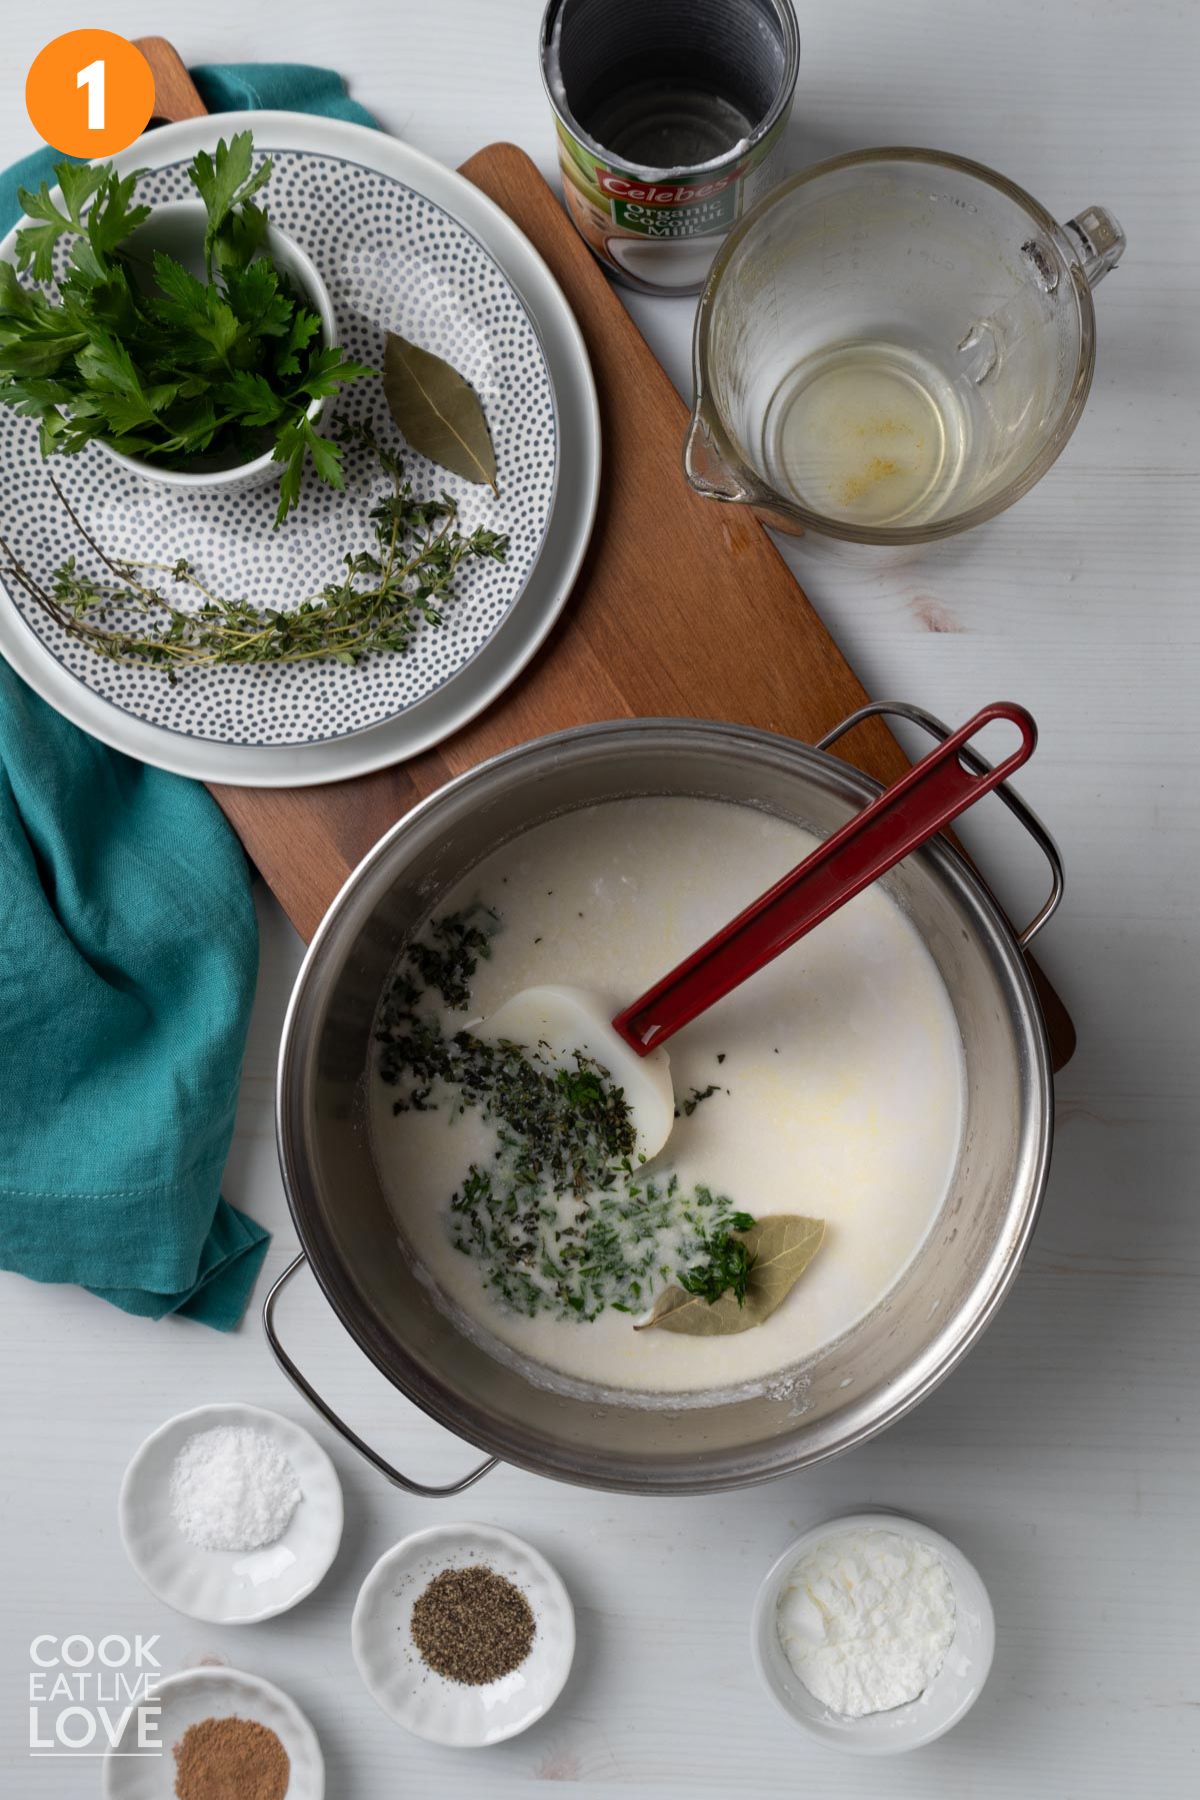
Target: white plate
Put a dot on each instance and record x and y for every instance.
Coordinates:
(230, 1587)
(447, 1712)
(199, 1694)
(950, 1695)
(401, 242)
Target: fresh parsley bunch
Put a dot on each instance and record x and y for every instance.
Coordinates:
(159, 364)
(729, 1264)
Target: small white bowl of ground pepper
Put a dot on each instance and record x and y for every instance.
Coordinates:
(464, 1634)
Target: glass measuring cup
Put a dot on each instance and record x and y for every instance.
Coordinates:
(893, 346)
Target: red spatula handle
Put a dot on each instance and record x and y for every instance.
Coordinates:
(905, 815)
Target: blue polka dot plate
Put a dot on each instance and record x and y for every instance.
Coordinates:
(405, 245)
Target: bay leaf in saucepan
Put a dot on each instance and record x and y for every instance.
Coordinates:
(438, 412)
(782, 1248)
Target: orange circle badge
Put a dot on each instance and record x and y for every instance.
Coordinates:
(90, 93)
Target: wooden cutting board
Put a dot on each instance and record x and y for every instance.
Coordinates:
(683, 606)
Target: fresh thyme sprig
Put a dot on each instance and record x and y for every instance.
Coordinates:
(377, 604)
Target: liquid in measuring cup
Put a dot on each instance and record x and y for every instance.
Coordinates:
(870, 432)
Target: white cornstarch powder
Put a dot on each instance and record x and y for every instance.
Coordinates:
(232, 1489)
(866, 1619)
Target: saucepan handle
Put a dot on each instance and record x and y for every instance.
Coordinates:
(916, 715)
(310, 1393)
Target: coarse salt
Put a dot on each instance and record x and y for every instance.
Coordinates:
(232, 1488)
(865, 1619)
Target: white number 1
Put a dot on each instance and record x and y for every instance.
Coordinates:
(92, 78)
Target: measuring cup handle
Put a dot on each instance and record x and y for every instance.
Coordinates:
(1098, 241)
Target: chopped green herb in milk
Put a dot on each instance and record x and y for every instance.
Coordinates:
(561, 1219)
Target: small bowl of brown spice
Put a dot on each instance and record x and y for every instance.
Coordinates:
(464, 1634)
(215, 1734)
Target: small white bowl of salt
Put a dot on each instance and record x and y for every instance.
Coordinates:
(873, 1633)
(230, 1513)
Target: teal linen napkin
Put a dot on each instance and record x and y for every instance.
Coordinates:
(224, 87)
(128, 952)
(278, 87)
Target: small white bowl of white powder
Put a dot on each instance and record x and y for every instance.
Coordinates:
(231, 1513)
(873, 1633)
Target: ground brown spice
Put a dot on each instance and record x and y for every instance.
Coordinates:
(230, 1759)
(473, 1626)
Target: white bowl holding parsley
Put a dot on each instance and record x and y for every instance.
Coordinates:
(177, 229)
(193, 341)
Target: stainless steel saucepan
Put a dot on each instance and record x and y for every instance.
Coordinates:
(852, 1388)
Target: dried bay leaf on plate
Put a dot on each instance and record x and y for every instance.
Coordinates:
(781, 1248)
(438, 412)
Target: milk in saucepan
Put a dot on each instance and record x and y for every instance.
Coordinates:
(832, 1081)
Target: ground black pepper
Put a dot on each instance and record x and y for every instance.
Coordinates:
(472, 1626)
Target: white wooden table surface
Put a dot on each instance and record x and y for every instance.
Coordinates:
(1064, 1456)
